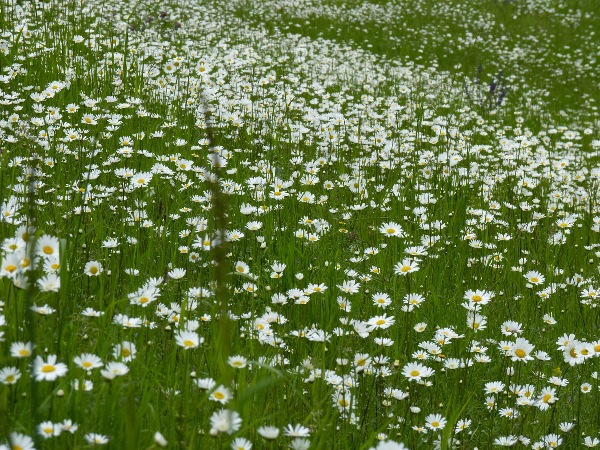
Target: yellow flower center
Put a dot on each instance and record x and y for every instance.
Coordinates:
(520, 353)
(405, 269)
(476, 298)
(93, 270)
(48, 250)
(10, 268)
(48, 368)
(380, 322)
(188, 343)
(415, 373)
(125, 353)
(546, 398)
(219, 395)
(534, 279)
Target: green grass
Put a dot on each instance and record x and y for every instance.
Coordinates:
(541, 49)
(362, 105)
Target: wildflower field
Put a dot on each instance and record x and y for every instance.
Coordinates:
(299, 224)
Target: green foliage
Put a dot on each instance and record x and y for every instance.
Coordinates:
(277, 208)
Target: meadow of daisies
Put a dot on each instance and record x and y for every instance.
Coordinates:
(299, 224)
